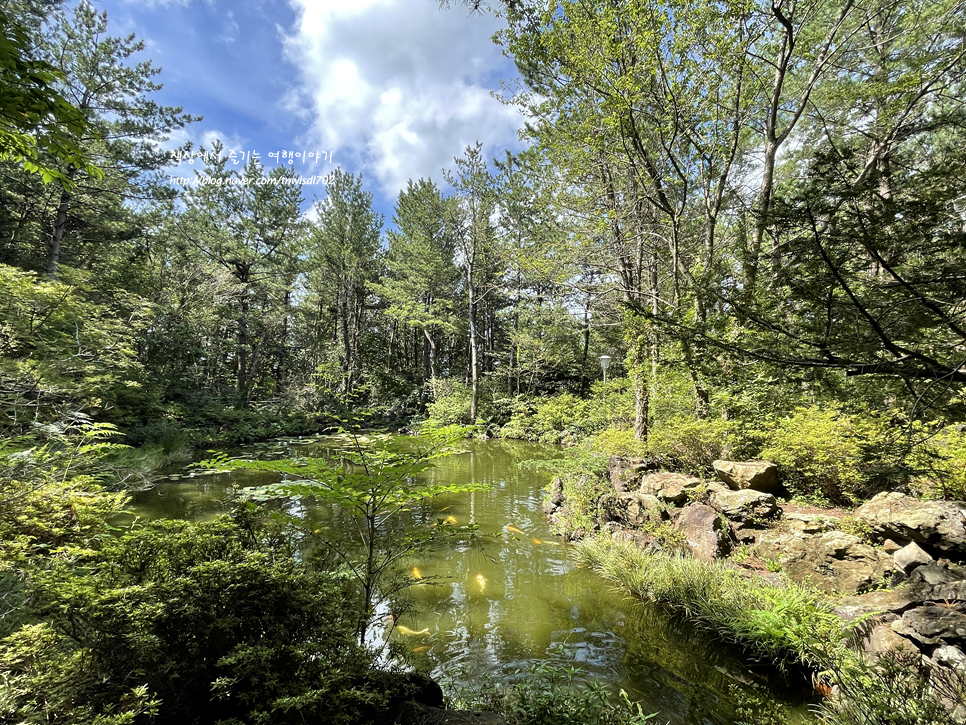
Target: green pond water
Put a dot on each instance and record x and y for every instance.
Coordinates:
(508, 600)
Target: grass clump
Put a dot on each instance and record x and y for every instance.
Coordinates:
(786, 625)
(789, 626)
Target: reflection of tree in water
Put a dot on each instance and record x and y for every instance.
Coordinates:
(489, 606)
(691, 677)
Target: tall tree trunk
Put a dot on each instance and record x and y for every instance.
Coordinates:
(474, 343)
(241, 359)
(60, 226)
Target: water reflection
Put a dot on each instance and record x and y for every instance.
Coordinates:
(511, 596)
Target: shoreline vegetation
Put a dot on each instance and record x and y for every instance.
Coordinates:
(754, 212)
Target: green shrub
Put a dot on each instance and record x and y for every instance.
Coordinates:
(617, 442)
(558, 416)
(692, 444)
(826, 453)
(941, 461)
(567, 418)
(451, 402)
(896, 689)
(583, 473)
(52, 489)
(200, 622)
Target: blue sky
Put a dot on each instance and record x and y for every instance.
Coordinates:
(393, 89)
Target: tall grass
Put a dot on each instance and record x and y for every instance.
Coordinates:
(786, 625)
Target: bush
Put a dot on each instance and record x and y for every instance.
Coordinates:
(568, 418)
(582, 472)
(51, 489)
(826, 454)
(941, 461)
(198, 622)
(692, 444)
(451, 403)
(617, 442)
(896, 689)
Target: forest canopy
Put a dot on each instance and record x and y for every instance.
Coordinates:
(757, 202)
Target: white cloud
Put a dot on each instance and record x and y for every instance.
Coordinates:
(229, 29)
(396, 88)
(199, 139)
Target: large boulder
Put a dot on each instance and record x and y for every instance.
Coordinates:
(555, 497)
(706, 532)
(632, 509)
(756, 475)
(910, 556)
(834, 562)
(746, 506)
(672, 488)
(810, 523)
(933, 625)
(625, 473)
(934, 525)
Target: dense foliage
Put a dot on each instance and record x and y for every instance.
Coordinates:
(189, 624)
(755, 209)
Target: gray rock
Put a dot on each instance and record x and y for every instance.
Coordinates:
(674, 488)
(632, 509)
(756, 475)
(950, 656)
(935, 525)
(890, 547)
(707, 533)
(810, 523)
(932, 625)
(623, 477)
(936, 573)
(555, 498)
(746, 505)
(892, 601)
(954, 591)
(882, 638)
(911, 556)
(834, 562)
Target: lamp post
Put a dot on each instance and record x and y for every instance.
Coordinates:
(604, 362)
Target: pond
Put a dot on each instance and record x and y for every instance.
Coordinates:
(513, 597)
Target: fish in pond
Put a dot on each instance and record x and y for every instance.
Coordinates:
(481, 580)
(403, 629)
(451, 520)
(537, 542)
(445, 509)
(421, 648)
(416, 573)
(514, 529)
